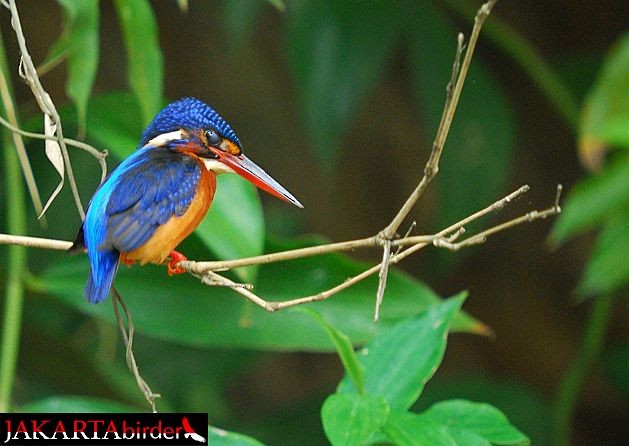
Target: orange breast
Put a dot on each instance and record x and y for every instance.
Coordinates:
(170, 234)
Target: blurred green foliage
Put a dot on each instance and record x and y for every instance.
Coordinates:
(193, 343)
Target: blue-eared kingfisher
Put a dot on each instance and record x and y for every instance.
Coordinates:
(157, 196)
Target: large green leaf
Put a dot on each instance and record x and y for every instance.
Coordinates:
(181, 309)
(337, 52)
(608, 269)
(593, 200)
(144, 55)
(79, 43)
(350, 420)
(234, 226)
(407, 429)
(400, 361)
(476, 160)
(482, 419)
(605, 116)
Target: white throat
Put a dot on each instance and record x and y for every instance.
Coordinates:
(216, 166)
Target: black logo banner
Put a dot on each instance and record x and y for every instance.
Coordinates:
(103, 429)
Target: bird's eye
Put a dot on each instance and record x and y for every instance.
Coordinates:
(212, 137)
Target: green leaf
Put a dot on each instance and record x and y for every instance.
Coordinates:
(181, 309)
(482, 419)
(80, 404)
(144, 55)
(234, 226)
(344, 348)
(523, 405)
(80, 44)
(279, 4)
(399, 361)
(615, 363)
(468, 438)
(219, 437)
(477, 156)
(593, 200)
(350, 420)
(337, 52)
(605, 117)
(240, 18)
(408, 429)
(607, 269)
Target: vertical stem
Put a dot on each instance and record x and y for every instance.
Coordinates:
(16, 255)
(574, 378)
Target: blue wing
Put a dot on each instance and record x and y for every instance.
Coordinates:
(146, 195)
(142, 193)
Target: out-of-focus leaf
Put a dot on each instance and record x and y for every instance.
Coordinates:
(279, 4)
(80, 404)
(477, 156)
(607, 269)
(616, 362)
(183, 5)
(605, 117)
(239, 17)
(234, 226)
(593, 200)
(400, 361)
(408, 429)
(144, 55)
(345, 350)
(350, 420)
(337, 52)
(79, 42)
(219, 437)
(482, 419)
(181, 309)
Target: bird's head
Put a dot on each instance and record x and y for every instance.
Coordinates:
(191, 126)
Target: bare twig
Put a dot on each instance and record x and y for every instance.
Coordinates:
(99, 155)
(47, 106)
(127, 336)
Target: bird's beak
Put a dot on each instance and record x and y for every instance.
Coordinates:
(249, 170)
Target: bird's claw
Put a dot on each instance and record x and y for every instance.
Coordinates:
(175, 258)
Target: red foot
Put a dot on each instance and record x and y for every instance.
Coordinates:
(175, 258)
(128, 262)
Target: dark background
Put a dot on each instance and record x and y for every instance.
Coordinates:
(517, 285)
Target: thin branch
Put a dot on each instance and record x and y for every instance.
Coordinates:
(29, 73)
(127, 336)
(35, 242)
(452, 100)
(99, 155)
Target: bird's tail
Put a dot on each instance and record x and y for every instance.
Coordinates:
(101, 276)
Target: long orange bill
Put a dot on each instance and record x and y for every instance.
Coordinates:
(249, 170)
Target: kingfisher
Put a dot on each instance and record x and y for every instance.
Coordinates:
(157, 196)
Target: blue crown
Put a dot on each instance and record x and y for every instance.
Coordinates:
(188, 113)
